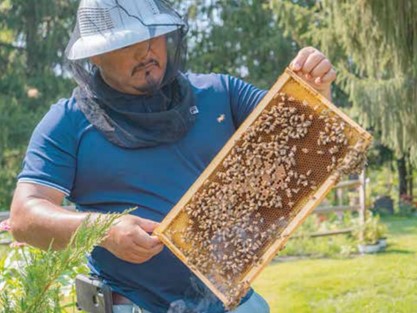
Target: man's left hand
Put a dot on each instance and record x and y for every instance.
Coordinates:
(314, 67)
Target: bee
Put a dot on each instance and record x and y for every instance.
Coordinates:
(221, 118)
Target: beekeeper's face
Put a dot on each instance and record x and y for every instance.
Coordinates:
(136, 69)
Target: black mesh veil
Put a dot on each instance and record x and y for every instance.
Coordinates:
(159, 109)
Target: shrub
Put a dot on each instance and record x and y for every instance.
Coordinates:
(33, 280)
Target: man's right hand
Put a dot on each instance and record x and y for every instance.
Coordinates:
(129, 239)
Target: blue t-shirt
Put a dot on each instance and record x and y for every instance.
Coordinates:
(67, 153)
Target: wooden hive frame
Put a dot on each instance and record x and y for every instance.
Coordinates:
(290, 84)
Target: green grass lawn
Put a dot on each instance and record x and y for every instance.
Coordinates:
(385, 282)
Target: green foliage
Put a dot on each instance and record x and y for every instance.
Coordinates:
(238, 37)
(33, 36)
(343, 245)
(406, 207)
(339, 246)
(383, 182)
(33, 280)
(371, 231)
(374, 46)
(303, 245)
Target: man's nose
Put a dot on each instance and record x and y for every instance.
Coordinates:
(142, 50)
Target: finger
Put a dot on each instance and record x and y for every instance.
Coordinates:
(327, 78)
(312, 62)
(298, 62)
(136, 253)
(147, 225)
(137, 259)
(157, 249)
(143, 239)
(133, 257)
(322, 68)
(146, 252)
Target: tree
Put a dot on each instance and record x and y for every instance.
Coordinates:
(237, 37)
(33, 35)
(374, 46)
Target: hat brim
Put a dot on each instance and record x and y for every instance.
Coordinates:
(89, 46)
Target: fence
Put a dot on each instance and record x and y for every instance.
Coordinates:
(360, 204)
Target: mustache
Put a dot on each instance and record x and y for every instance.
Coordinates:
(143, 65)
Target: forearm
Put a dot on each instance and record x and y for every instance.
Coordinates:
(39, 222)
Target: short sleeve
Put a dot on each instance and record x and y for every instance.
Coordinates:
(243, 98)
(51, 155)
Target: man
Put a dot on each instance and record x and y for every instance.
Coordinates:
(135, 133)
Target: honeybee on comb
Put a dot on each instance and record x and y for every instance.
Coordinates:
(261, 186)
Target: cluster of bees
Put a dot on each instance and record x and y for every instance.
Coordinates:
(244, 206)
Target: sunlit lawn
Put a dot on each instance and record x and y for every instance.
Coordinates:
(386, 282)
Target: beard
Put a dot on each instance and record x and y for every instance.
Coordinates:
(153, 80)
(152, 85)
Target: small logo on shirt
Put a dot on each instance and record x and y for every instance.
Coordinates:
(221, 118)
(194, 110)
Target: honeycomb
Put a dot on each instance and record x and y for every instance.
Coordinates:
(261, 186)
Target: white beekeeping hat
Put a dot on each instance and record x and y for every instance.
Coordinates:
(106, 25)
